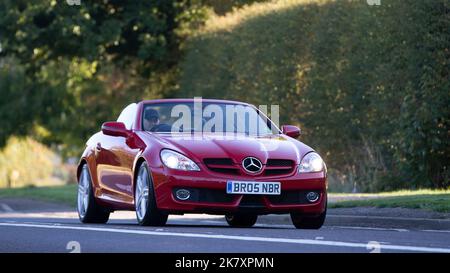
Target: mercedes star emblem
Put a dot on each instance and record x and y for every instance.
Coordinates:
(252, 164)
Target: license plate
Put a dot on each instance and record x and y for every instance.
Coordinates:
(250, 187)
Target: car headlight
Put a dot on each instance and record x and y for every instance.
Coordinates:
(178, 161)
(311, 162)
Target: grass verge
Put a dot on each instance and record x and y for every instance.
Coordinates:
(60, 194)
(434, 200)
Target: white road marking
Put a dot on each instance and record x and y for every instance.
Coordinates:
(434, 230)
(274, 226)
(387, 218)
(224, 223)
(188, 220)
(234, 237)
(200, 221)
(6, 208)
(332, 226)
(373, 228)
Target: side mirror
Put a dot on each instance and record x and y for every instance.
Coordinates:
(291, 130)
(113, 128)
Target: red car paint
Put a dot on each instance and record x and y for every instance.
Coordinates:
(113, 161)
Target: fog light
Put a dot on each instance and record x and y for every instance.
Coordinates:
(183, 194)
(312, 196)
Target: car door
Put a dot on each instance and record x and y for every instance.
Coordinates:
(115, 160)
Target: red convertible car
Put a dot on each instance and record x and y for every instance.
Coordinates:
(177, 156)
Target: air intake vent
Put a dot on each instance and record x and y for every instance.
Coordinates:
(218, 161)
(280, 162)
(278, 167)
(221, 165)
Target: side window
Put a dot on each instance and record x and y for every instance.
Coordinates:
(128, 115)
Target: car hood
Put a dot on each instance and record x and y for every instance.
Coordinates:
(236, 147)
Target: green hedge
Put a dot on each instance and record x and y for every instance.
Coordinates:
(369, 85)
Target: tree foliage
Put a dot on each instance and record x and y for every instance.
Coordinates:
(368, 84)
(65, 69)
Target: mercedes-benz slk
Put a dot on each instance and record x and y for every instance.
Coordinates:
(178, 156)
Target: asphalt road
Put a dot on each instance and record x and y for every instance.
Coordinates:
(60, 231)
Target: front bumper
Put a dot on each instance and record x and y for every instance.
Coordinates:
(208, 193)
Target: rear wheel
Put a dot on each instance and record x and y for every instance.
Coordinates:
(88, 209)
(241, 220)
(147, 212)
(308, 222)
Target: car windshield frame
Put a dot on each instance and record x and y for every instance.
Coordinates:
(273, 129)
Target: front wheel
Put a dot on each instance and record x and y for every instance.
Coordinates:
(88, 209)
(308, 222)
(147, 212)
(241, 220)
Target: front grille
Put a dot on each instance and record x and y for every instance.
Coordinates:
(227, 166)
(225, 170)
(218, 161)
(280, 162)
(278, 167)
(221, 165)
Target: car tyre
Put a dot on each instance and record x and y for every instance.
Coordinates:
(89, 211)
(241, 220)
(308, 222)
(147, 213)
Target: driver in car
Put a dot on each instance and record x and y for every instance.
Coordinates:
(152, 123)
(151, 119)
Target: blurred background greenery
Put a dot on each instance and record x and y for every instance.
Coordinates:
(368, 85)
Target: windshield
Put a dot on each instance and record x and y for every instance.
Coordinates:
(206, 118)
